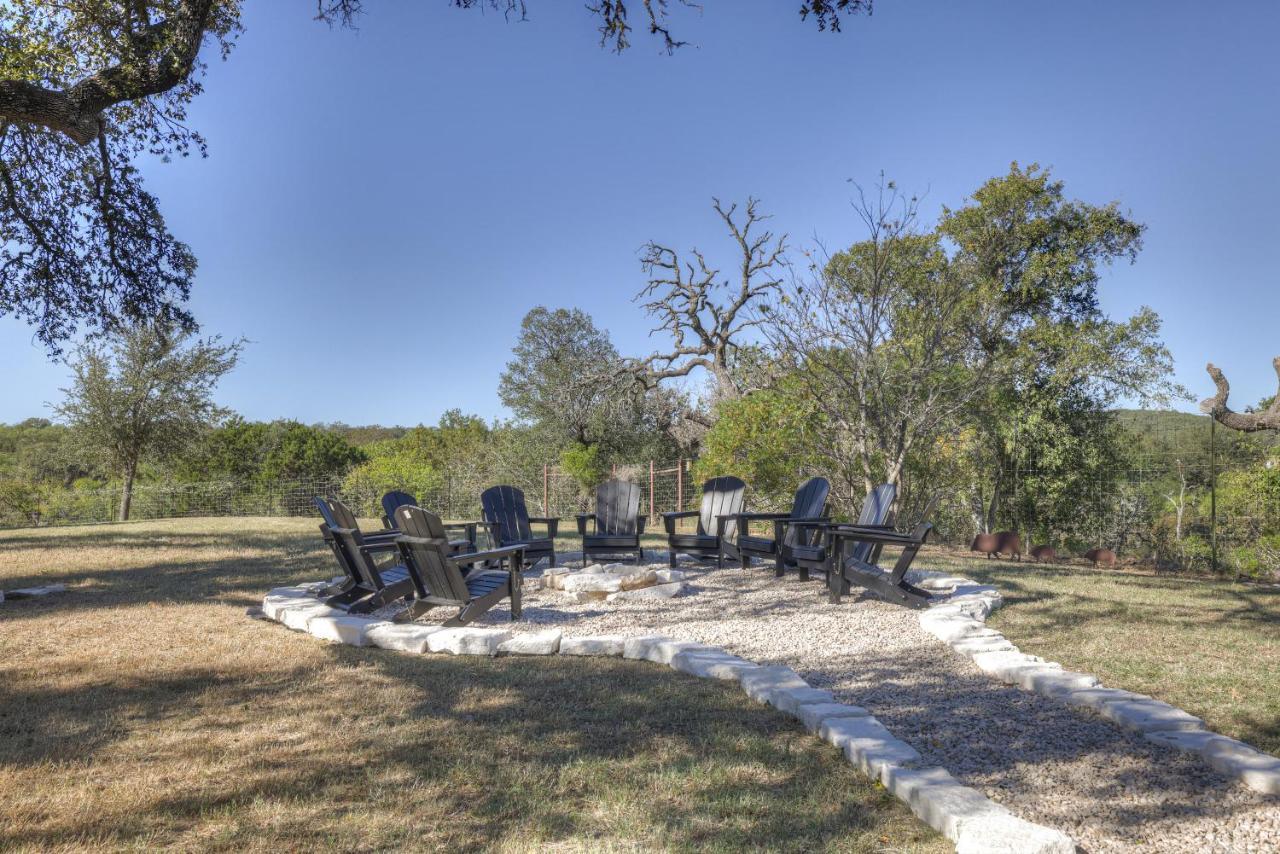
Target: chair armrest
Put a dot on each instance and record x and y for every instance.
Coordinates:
(669, 519)
(582, 522)
(878, 534)
(752, 517)
(385, 546)
(552, 523)
(491, 554)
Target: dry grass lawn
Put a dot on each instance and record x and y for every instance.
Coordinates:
(143, 709)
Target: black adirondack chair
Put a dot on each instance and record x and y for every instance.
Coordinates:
(396, 499)
(437, 575)
(352, 578)
(507, 518)
(618, 524)
(799, 527)
(372, 585)
(847, 568)
(722, 499)
(877, 511)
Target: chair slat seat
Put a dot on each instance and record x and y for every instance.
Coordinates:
(507, 516)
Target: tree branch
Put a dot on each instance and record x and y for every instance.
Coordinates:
(1248, 422)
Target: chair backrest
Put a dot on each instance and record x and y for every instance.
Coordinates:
(346, 532)
(505, 507)
(811, 501)
(393, 500)
(424, 547)
(721, 496)
(876, 508)
(617, 507)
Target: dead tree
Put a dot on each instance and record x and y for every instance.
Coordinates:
(706, 314)
(1248, 422)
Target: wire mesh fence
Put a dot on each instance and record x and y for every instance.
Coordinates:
(1176, 508)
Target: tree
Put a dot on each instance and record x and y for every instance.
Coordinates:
(87, 87)
(1247, 422)
(267, 452)
(706, 316)
(145, 394)
(981, 324)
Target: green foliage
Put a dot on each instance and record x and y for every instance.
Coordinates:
(766, 438)
(584, 464)
(267, 452)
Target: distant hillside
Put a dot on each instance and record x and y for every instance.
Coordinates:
(1185, 435)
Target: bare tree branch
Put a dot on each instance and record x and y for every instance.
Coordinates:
(1248, 422)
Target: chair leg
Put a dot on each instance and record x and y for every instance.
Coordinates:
(553, 557)
(516, 603)
(834, 586)
(719, 558)
(671, 557)
(803, 572)
(779, 568)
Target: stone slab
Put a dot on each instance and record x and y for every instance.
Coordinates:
(869, 745)
(405, 637)
(1257, 770)
(36, 592)
(711, 665)
(1148, 715)
(791, 700)
(596, 645)
(759, 684)
(467, 640)
(973, 645)
(1011, 667)
(665, 576)
(532, 643)
(813, 714)
(296, 617)
(656, 591)
(1096, 698)
(1008, 834)
(353, 631)
(663, 651)
(584, 582)
(938, 799)
(638, 648)
(1052, 682)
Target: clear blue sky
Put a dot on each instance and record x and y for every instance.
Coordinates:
(395, 199)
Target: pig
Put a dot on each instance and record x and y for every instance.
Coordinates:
(1002, 542)
(1101, 557)
(1044, 554)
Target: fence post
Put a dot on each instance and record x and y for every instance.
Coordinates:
(652, 511)
(680, 485)
(1213, 494)
(546, 482)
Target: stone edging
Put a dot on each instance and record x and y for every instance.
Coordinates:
(33, 592)
(960, 622)
(976, 824)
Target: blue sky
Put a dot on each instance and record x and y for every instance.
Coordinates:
(380, 208)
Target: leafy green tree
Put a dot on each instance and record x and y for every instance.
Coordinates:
(145, 394)
(266, 452)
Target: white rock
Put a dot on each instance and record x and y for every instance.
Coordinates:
(637, 580)
(711, 665)
(663, 651)
(1052, 682)
(974, 645)
(405, 637)
(665, 576)
(466, 640)
(580, 582)
(353, 631)
(939, 582)
(791, 700)
(868, 744)
(1011, 667)
(1008, 834)
(946, 628)
(296, 617)
(813, 714)
(274, 604)
(1096, 698)
(638, 648)
(1148, 715)
(938, 799)
(34, 592)
(1257, 770)
(1191, 740)
(532, 643)
(758, 684)
(657, 591)
(598, 645)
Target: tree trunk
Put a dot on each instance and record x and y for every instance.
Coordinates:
(126, 492)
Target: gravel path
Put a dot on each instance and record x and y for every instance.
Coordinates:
(1109, 789)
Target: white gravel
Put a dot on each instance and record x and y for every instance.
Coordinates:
(1049, 763)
